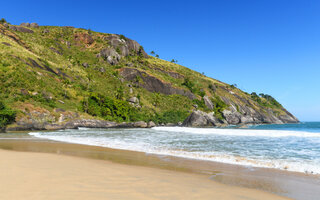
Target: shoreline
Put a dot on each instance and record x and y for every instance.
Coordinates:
(270, 180)
(32, 175)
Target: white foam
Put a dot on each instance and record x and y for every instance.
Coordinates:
(238, 132)
(291, 165)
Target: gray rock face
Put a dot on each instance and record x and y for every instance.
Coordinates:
(21, 29)
(120, 47)
(232, 117)
(110, 55)
(199, 119)
(208, 102)
(152, 84)
(34, 25)
(25, 24)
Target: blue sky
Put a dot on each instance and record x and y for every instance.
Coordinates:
(268, 46)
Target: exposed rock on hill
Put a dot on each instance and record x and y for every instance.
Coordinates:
(120, 47)
(151, 83)
(201, 119)
(66, 77)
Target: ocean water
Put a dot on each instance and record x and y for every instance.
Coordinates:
(291, 147)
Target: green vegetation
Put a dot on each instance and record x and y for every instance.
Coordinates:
(2, 21)
(219, 106)
(107, 108)
(7, 115)
(51, 68)
(265, 100)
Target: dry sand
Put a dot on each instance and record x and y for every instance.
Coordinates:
(29, 175)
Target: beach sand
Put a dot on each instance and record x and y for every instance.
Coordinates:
(30, 175)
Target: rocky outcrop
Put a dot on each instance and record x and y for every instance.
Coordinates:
(110, 55)
(42, 119)
(120, 46)
(152, 83)
(231, 117)
(83, 38)
(208, 102)
(32, 25)
(21, 29)
(200, 119)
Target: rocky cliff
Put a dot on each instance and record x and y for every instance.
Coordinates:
(66, 77)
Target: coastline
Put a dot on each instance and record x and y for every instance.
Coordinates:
(267, 180)
(49, 176)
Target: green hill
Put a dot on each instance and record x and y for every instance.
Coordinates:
(52, 75)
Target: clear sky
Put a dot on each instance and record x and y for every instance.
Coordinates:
(266, 46)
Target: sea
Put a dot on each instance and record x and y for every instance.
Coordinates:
(290, 147)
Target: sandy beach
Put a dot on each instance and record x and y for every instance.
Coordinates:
(29, 175)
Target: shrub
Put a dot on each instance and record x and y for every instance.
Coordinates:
(107, 108)
(219, 106)
(189, 84)
(173, 116)
(2, 21)
(200, 103)
(7, 116)
(122, 37)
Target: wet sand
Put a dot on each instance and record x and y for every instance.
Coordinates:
(142, 176)
(27, 175)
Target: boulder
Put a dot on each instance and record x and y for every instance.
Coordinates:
(208, 102)
(6, 25)
(34, 25)
(232, 117)
(133, 100)
(45, 31)
(125, 45)
(85, 65)
(23, 29)
(110, 55)
(25, 24)
(151, 124)
(199, 118)
(140, 124)
(102, 70)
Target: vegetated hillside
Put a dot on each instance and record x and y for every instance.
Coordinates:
(53, 75)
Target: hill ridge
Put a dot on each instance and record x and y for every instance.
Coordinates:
(55, 75)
